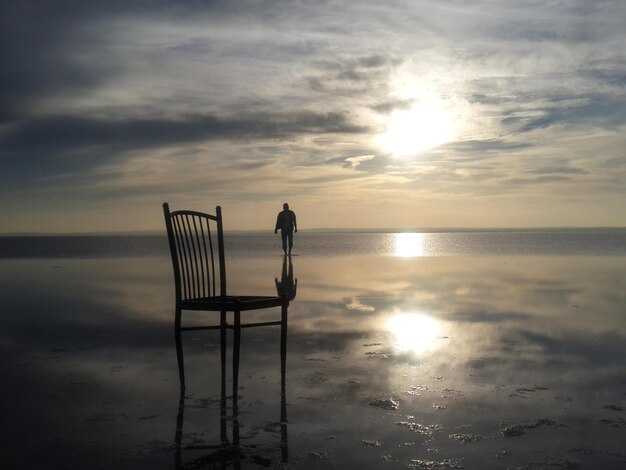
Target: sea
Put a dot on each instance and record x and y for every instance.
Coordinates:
(423, 350)
(604, 242)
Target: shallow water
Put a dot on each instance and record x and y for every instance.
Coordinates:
(392, 362)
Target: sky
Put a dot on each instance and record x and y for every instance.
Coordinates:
(395, 114)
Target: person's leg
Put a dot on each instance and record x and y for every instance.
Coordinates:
(290, 235)
(283, 234)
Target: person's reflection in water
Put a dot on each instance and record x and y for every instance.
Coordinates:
(287, 286)
(229, 454)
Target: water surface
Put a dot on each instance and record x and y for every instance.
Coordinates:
(421, 351)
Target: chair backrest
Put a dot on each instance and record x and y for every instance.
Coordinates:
(196, 244)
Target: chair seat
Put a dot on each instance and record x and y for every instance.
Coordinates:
(232, 302)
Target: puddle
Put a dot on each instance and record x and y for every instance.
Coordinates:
(613, 422)
(520, 429)
(386, 403)
(451, 393)
(319, 454)
(427, 430)
(370, 443)
(316, 378)
(434, 465)
(465, 438)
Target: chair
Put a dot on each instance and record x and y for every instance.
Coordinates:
(196, 242)
(230, 453)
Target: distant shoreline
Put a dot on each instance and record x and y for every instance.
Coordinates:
(332, 230)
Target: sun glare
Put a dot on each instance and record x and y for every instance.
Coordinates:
(409, 245)
(414, 332)
(426, 125)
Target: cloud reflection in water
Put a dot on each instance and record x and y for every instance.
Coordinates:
(534, 350)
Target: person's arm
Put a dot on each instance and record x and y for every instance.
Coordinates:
(295, 225)
(277, 222)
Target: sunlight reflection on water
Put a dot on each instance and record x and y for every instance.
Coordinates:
(409, 245)
(414, 332)
(515, 349)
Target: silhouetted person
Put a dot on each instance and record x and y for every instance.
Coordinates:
(286, 222)
(287, 286)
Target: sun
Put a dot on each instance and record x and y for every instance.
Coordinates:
(426, 125)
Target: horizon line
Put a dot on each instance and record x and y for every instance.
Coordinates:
(329, 230)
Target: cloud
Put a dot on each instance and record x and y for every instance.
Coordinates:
(563, 170)
(122, 99)
(350, 75)
(58, 142)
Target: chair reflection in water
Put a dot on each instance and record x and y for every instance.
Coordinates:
(196, 242)
(230, 453)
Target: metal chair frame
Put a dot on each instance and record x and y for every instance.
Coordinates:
(197, 274)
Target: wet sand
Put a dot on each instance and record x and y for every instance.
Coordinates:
(422, 363)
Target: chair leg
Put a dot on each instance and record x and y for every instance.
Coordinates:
(179, 350)
(223, 417)
(236, 348)
(178, 438)
(223, 351)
